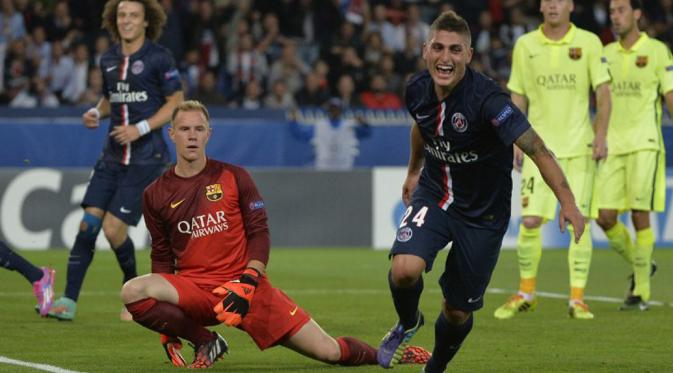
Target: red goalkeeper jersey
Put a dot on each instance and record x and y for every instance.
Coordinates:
(206, 227)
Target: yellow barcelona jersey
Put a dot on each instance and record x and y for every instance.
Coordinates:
(640, 75)
(556, 76)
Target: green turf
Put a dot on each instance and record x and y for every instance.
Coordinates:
(346, 292)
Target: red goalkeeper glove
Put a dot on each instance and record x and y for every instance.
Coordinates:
(237, 296)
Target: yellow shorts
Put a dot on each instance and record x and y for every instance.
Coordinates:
(537, 199)
(632, 181)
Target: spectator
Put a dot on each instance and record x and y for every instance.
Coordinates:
(312, 93)
(72, 92)
(377, 97)
(60, 68)
(415, 27)
(252, 99)
(289, 68)
(247, 64)
(92, 93)
(207, 92)
(101, 44)
(11, 28)
(346, 92)
(279, 97)
(35, 95)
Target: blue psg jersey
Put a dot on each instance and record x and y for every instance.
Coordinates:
(136, 87)
(468, 140)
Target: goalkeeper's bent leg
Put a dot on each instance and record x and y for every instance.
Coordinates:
(355, 352)
(168, 319)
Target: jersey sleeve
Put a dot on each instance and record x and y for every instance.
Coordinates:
(598, 64)
(169, 76)
(105, 92)
(664, 69)
(516, 78)
(254, 216)
(163, 260)
(507, 120)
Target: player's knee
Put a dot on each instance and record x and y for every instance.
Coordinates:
(90, 226)
(455, 316)
(531, 222)
(133, 290)
(404, 276)
(114, 232)
(606, 219)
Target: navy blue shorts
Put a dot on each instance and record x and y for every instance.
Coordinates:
(118, 189)
(426, 229)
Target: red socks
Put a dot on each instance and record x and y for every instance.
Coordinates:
(355, 352)
(169, 319)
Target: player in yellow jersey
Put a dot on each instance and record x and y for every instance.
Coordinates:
(553, 71)
(633, 175)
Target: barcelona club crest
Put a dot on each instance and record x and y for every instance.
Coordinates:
(459, 122)
(214, 192)
(641, 61)
(575, 53)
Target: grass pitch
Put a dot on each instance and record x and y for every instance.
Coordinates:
(346, 291)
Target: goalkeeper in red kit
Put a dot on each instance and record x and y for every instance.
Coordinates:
(210, 247)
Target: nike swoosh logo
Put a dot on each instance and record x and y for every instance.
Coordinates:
(473, 300)
(176, 204)
(124, 211)
(532, 55)
(294, 310)
(421, 117)
(110, 69)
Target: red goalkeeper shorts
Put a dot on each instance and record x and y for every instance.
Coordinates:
(273, 317)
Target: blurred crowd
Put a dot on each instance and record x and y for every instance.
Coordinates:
(273, 53)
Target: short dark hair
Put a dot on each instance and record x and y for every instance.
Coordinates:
(154, 15)
(636, 4)
(452, 22)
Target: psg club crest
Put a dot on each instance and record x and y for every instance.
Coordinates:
(641, 61)
(404, 234)
(459, 122)
(137, 67)
(575, 53)
(214, 192)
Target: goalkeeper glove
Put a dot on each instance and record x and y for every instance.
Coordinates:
(237, 296)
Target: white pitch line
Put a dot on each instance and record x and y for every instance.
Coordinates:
(45, 367)
(541, 294)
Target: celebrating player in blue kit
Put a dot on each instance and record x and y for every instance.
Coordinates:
(141, 87)
(458, 189)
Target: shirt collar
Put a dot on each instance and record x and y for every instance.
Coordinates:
(634, 48)
(566, 39)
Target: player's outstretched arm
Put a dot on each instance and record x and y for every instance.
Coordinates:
(531, 144)
(603, 109)
(415, 164)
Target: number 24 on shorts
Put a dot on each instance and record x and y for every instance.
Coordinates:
(419, 218)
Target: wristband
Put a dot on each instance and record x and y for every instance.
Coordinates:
(143, 127)
(95, 112)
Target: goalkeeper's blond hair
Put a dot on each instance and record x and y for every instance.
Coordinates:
(190, 105)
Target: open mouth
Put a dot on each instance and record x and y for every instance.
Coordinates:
(445, 70)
